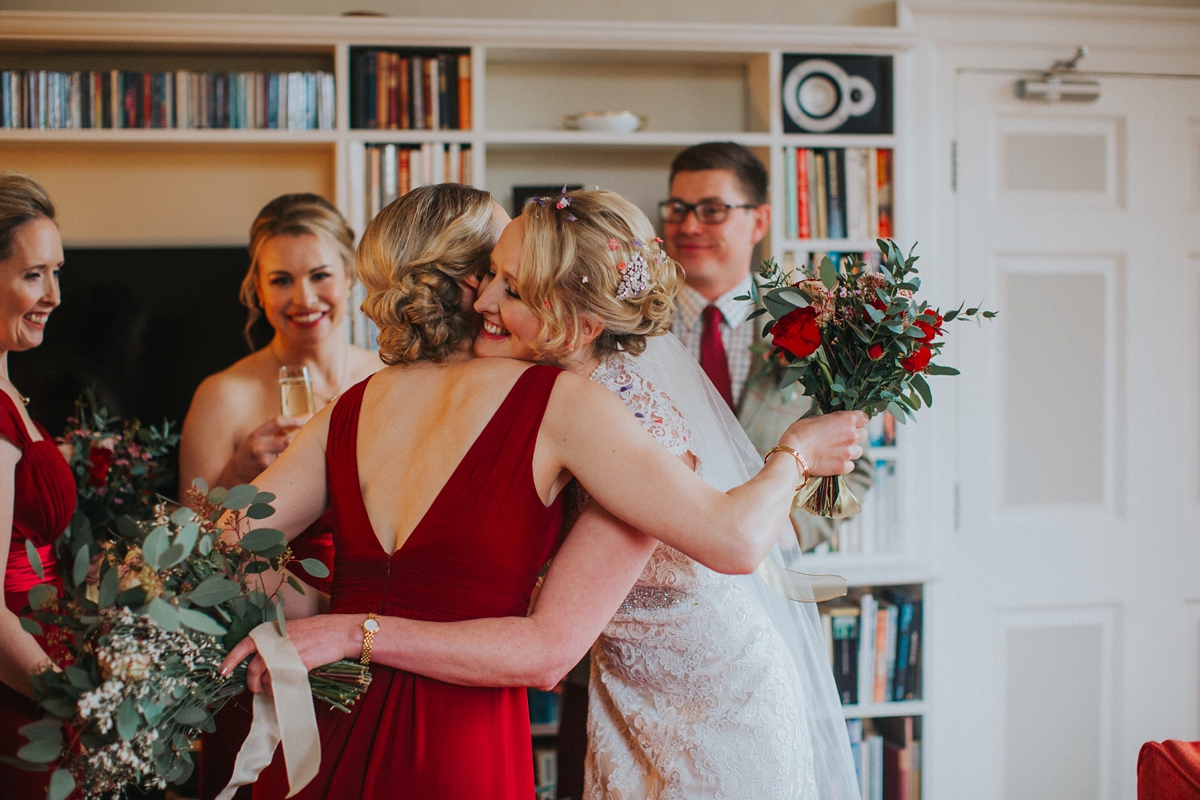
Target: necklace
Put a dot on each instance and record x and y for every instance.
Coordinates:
(341, 381)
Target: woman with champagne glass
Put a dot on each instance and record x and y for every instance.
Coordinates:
(37, 489)
(242, 418)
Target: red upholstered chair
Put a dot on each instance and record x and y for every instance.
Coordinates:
(1169, 770)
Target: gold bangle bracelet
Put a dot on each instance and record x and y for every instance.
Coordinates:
(801, 467)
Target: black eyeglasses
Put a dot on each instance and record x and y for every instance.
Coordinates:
(707, 212)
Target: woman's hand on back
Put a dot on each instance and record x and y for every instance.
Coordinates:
(829, 443)
(259, 449)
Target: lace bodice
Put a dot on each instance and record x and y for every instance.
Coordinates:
(692, 694)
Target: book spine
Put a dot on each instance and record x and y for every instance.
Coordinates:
(393, 90)
(803, 212)
(884, 182)
(912, 675)
(454, 163)
(390, 174)
(383, 85)
(880, 669)
(375, 184)
(370, 90)
(416, 71)
(903, 637)
(464, 91)
(449, 76)
(866, 647)
(403, 94)
(432, 106)
(404, 183)
(872, 194)
(415, 168)
(791, 222)
(822, 192)
(845, 642)
(835, 174)
(856, 193)
(443, 91)
(358, 90)
(892, 645)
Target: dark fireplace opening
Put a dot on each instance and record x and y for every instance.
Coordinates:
(142, 326)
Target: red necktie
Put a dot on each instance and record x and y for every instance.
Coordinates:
(712, 354)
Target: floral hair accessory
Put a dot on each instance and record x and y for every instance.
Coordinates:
(541, 201)
(563, 200)
(635, 277)
(658, 240)
(613, 244)
(637, 244)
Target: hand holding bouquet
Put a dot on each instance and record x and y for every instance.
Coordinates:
(856, 341)
(145, 620)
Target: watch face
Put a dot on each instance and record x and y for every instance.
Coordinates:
(371, 625)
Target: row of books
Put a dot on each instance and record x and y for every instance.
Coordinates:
(394, 170)
(874, 645)
(181, 99)
(887, 757)
(876, 529)
(838, 193)
(399, 90)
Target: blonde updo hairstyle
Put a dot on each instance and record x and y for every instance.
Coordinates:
(413, 259)
(21, 200)
(293, 215)
(574, 257)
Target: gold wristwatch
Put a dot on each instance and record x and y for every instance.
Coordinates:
(370, 626)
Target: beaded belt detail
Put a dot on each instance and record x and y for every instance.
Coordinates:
(653, 598)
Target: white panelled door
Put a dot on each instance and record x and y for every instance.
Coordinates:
(1069, 627)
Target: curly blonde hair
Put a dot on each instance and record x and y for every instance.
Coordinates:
(413, 258)
(573, 260)
(293, 215)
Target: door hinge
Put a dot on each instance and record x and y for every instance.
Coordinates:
(954, 166)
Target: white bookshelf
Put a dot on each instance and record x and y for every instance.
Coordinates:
(696, 83)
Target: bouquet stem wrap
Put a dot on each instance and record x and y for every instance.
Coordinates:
(827, 496)
(286, 713)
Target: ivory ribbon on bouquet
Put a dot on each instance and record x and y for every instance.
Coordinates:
(285, 713)
(801, 586)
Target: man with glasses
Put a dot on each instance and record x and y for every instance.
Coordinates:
(716, 214)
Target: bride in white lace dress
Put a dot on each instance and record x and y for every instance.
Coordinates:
(703, 685)
(693, 692)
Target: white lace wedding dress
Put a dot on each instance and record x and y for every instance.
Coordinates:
(693, 692)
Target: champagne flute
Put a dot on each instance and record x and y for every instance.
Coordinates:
(295, 392)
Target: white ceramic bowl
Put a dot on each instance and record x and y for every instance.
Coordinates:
(607, 121)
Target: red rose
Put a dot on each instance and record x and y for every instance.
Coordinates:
(875, 351)
(797, 332)
(931, 330)
(101, 458)
(918, 360)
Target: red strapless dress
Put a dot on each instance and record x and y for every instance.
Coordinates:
(43, 502)
(476, 553)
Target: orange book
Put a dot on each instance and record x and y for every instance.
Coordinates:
(464, 92)
(382, 62)
(429, 87)
(404, 183)
(884, 182)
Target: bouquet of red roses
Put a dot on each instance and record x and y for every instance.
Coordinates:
(856, 340)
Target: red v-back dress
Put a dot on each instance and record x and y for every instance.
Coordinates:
(476, 553)
(43, 502)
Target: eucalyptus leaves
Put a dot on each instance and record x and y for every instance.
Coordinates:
(143, 622)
